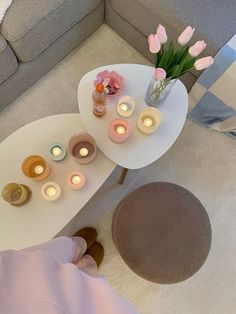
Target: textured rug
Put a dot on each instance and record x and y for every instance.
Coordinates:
(201, 161)
(215, 94)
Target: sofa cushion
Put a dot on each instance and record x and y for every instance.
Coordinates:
(31, 26)
(214, 20)
(8, 61)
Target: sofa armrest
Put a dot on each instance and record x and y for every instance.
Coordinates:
(8, 61)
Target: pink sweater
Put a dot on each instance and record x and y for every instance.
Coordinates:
(44, 280)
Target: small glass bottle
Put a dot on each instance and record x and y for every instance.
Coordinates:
(16, 194)
(99, 101)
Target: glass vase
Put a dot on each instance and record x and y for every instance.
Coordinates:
(158, 91)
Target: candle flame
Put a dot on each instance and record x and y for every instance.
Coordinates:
(148, 122)
(120, 130)
(83, 151)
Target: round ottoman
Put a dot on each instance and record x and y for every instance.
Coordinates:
(162, 232)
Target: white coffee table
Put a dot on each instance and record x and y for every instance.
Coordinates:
(140, 150)
(40, 220)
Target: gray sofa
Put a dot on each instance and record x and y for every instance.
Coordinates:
(35, 35)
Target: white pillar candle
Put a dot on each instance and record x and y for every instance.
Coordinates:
(51, 191)
(125, 106)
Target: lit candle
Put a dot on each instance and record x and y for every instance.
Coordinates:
(84, 152)
(148, 122)
(76, 179)
(83, 148)
(120, 130)
(39, 169)
(125, 106)
(56, 151)
(35, 167)
(51, 191)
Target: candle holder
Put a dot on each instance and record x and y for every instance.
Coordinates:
(83, 148)
(51, 191)
(36, 168)
(149, 120)
(16, 194)
(57, 152)
(119, 130)
(125, 106)
(75, 180)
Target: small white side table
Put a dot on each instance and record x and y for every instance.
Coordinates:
(140, 150)
(39, 220)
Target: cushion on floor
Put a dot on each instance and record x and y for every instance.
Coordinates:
(162, 232)
(208, 18)
(8, 61)
(40, 23)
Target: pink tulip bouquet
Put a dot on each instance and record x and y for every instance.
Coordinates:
(172, 62)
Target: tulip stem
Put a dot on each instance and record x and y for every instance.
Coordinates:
(159, 88)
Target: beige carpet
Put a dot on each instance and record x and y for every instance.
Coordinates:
(200, 160)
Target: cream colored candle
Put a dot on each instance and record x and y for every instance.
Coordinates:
(149, 120)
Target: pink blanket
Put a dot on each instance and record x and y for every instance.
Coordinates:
(56, 277)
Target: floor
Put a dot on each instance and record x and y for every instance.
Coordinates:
(200, 160)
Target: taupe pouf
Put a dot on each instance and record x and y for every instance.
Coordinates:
(162, 232)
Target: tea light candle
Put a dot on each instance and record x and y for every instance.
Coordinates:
(57, 152)
(83, 148)
(125, 106)
(119, 130)
(149, 120)
(35, 167)
(51, 191)
(75, 180)
(39, 169)
(83, 152)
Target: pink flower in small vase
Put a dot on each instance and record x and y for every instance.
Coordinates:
(160, 74)
(112, 81)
